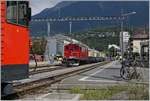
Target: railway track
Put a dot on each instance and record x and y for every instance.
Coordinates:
(24, 88)
(45, 65)
(33, 71)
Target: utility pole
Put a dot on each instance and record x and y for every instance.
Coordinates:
(70, 26)
(59, 12)
(48, 38)
(122, 34)
(48, 29)
(123, 16)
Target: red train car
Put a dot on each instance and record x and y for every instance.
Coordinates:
(15, 16)
(75, 54)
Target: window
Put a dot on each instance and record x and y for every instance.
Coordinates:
(76, 47)
(17, 12)
(66, 47)
(22, 13)
(12, 11)
(80, 48)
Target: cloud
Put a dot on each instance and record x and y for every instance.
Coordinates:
(38, 5)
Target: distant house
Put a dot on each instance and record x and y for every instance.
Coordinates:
(139, 36)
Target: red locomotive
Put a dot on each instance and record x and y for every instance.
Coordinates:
(75, 54)
(15, 16)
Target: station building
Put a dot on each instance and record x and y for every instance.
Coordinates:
(140, 36)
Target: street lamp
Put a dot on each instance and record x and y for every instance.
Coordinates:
(127, 14)
(70, 27)
(123, 16)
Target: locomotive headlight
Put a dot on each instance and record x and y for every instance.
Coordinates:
(71, 57)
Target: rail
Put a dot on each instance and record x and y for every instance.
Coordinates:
(54, 77)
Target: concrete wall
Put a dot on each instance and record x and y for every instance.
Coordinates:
(60, 48)
(137, 45)
(55, 47)
(52, 47)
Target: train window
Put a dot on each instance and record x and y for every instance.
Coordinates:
(22, 13)
(76, 48)
(66, 48)
(17, 12)
(12, 11)
(80, 48)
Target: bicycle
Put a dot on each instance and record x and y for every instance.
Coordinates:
(129, 68)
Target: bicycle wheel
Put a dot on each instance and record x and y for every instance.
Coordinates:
(139, 71)
(126, 72)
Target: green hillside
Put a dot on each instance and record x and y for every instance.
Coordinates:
(98, 38)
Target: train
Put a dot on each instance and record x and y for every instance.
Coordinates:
(15, 17)
(77, 54)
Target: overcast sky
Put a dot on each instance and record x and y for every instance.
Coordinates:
(38, 5)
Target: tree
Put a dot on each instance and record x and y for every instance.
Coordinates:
(39, 46)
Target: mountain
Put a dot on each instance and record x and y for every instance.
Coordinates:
(90, 8)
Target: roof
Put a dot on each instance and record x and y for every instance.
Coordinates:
(114, 46)
(141, 33)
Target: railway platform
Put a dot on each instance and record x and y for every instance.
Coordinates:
(51, 74)
(101, 77)
(43, 63)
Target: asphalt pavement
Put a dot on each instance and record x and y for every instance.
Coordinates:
(105, 75)
(100, 77)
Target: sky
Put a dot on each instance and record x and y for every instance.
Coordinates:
(38, 5)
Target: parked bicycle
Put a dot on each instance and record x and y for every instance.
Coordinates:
(131, 67)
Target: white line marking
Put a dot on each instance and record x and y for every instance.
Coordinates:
(44, 95)
(76, 97)
(111, 81)
(84, 78)
(106, 66)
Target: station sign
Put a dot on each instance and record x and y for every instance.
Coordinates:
(126, 36)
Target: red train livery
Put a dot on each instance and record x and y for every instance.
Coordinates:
(75, 54)
(15, 16)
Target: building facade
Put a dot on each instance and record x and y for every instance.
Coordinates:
(139, 36)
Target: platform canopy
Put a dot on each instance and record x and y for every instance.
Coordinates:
(114, 46)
